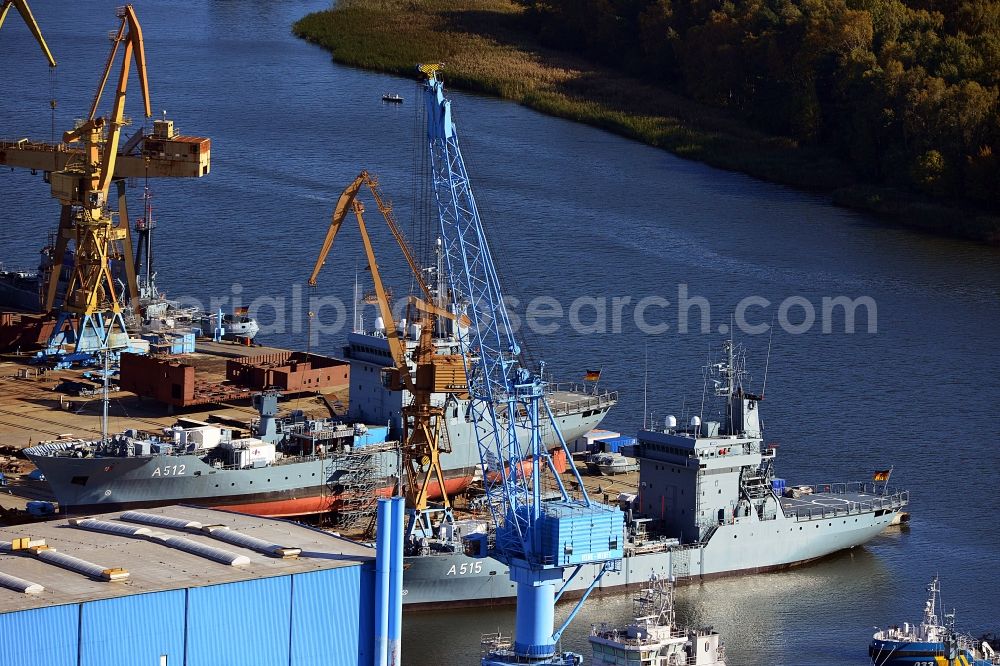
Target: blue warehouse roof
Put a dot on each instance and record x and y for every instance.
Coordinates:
(153, 550)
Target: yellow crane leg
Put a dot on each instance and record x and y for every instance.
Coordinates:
(63, 235)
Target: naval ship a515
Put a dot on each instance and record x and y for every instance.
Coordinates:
(708, 504)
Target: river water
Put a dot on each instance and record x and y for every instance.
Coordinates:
(576, 213)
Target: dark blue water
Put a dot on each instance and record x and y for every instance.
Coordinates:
(578, 213)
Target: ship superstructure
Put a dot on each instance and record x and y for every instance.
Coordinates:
(654, 638)
(577, 408)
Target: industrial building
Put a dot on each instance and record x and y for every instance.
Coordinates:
(187, 586)
(291, 372)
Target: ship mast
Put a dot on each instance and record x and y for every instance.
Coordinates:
(104, 396)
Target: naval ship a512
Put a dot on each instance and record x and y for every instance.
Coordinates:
(291, 465)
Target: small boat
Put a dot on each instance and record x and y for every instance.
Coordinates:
(653, 638)
(610, 464)
(930, 642)
(392, 98)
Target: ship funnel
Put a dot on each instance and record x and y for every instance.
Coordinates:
(267, 407)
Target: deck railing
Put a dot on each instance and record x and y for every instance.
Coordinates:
(889, 499)
(582, 401)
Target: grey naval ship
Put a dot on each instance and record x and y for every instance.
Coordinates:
(293, 465)
(708, 505)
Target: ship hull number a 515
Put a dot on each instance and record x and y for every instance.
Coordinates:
(465, 568)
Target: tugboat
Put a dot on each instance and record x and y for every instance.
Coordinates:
(653, 638)
(930, 642)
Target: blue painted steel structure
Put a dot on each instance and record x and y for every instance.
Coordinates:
(537, 540)
(389, 581)
(263, 637)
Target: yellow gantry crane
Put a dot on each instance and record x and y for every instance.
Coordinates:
(90, 317)
(81, 169)
(25, 11)
(423, 440)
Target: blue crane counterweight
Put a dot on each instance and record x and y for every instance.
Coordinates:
(538, 540)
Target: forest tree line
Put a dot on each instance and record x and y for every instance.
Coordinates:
(905, 91)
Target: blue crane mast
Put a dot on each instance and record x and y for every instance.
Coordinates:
(544, 543)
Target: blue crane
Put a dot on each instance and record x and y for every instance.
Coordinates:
(544, 543)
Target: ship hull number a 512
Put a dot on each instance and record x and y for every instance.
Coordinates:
(170, 470)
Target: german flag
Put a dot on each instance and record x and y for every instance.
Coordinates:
(882, 475)
(592, 376)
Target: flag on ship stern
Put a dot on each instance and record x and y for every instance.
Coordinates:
(592, 376)
(882, 475)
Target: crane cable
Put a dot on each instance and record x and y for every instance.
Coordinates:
(52, 103)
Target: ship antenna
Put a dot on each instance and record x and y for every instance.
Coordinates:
(704, 387)
(104, 399)
(767, 361)
(356, 297)
(645, 382)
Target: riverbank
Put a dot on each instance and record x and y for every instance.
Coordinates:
(486, 50)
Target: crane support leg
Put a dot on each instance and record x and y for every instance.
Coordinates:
(63, 235)
(536, 590)
(608, 566)
(123, 223)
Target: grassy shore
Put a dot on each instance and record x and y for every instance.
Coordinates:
(487, 50)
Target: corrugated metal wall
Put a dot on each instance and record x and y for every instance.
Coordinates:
(321, 618)
(137, 629)
(325, 622)
(240, 624)
(366, 610)
(41, 636)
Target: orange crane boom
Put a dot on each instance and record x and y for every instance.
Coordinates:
(158, 155)
(345, 201)
(422, 422)
(25, 11)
